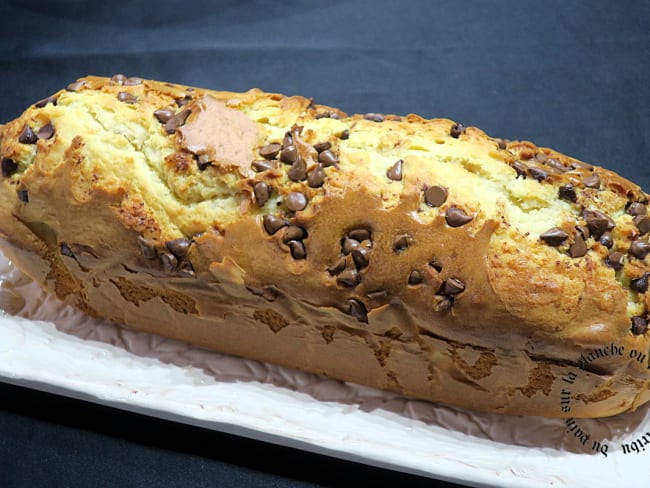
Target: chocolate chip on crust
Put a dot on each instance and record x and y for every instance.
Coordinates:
(289, 154)
(360, 234)
(272, 224)
(357, 310)
(262, 193)
(73, 87)
(349, 277)
(584, 231)
(27, 136)
(597, 222)
(639, 249)
(322, 146)
(568, 192)
(377, 295)
(118, 79)
(22, 195)
(163, 115)
(520, 168)
(177, 121)
(640, 285)
(179, 247)
(348, 245)
(127, 97)
(132, 81)
(9, 167)
(361, 257)
(395, 171)
(270, 151)
(64, 248)
(554, 237)
(435, 195)
(636, 208)
(327, 158)
(339, 266)
(186, 269)
(537, 174)
(182, 101)
(442, 303)
(297, 249)
(316, 177)
(415, 277)
(46, 132)
(402, 242)
(202, 162)
(606, 239)
(502, 144)
(298, 171)
(147, 248)
(374, 117)
(42, 103)
(168, 261)
(262, 165)
(456, 130)
(453, 286)
(344, 135)
(296, 201)
(639, 325)
(615, 260)
(642, 223)
(592, 181)
(579, 247)
(293, 233)
(457, 217)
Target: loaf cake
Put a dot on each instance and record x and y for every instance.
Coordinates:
(412, 255)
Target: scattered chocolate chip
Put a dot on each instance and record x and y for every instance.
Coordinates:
(537, 174)
(348, 245)
(357, 310)
(177, 121)
(636, 208)
(337, 267)
(27, 136)
(328, 158)
(181, 102)
(344, 135)
(203, 161)
(639, 325)
(147, 248)
(9, 167)
(132, 81)
(297, 249)
(453, 286)
(296, 201)
(555, 164)
(415, 277)
(502, 144)
(520, 168)
(442, 303)
(289, 154)
(435, 195)
(456, 217)
(22, 195)
(270, 151)
(568, 192)
(163, 115)
(642, 223)
(436, 264)
(554, 237)
(361, 257)
(597, 222)
(591, 181)
(168, 261)
(584, 231)
(456, 130)
(639, 249)
(179, 247)
(322, 115)
(45, 101)
(615, 260)
(262, 165)
(126, 97)
(293, 233)
(374, 117)
(579, 247)
(395, 171)
(402, 242)
(640, 285)
(316, 177)
(298, 171)
(606, 239)
(262, 193)
(322, 146)
(46, 132)
(186, 269)
(118, 79)
(73, 87)
(272, 224)
(288, 140)
(349, 277)
(359, 234)
(377, 295)
(65, 250)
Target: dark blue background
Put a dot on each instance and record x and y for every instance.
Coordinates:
(565, 74)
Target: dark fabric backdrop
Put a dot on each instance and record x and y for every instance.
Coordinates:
(565, 74)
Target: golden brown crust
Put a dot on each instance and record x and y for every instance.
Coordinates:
(407, 254)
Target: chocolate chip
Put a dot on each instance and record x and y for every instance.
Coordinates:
(181, 102)
(316, 177)
(402, 242)
(636, 208)
(289, 154)
(453, 286)
(607, 240)
(591, 181)
(502, 144)
(147, 248)
(344, 135)
(520, 168)
(640, 285)
(22, 195)
(442, 303)
(296, 201)
(374, 117)
(568, 192)
(179, 247)
(537, 174)
(186, 269)
(163, 115)
(642, 223)
(377, 295)
(584, 231)
(357, 310)
(598, 222)
(639, 325)
(65, 250)
(436, 264)
(73, 87)
(415, 277)
(118, 79)
(554, 237)
(328, 158)
(287, 141)
(298, 171)
(639, 249)
(615, 260)
(168, 261)
(202, 162)
(262, 165)
(42, 103)
(322, 115)
(293, 233)
(556, 165)
(177, 121)
(456, 130)
(262, 193)
(126, 97)
(578, 248)
(456, 217)
(348, 245)
(339, 266)
(297, 249)
(322, 146)
(46, 132)
(435, 195)
(9, 167)
(349, 277)
(361, 257)
(27, 136)
(132, 81)
(272, 224)
(395, 171)
(270, 151)
(360, 234)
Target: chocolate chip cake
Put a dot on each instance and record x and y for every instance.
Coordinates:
(418, 256)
